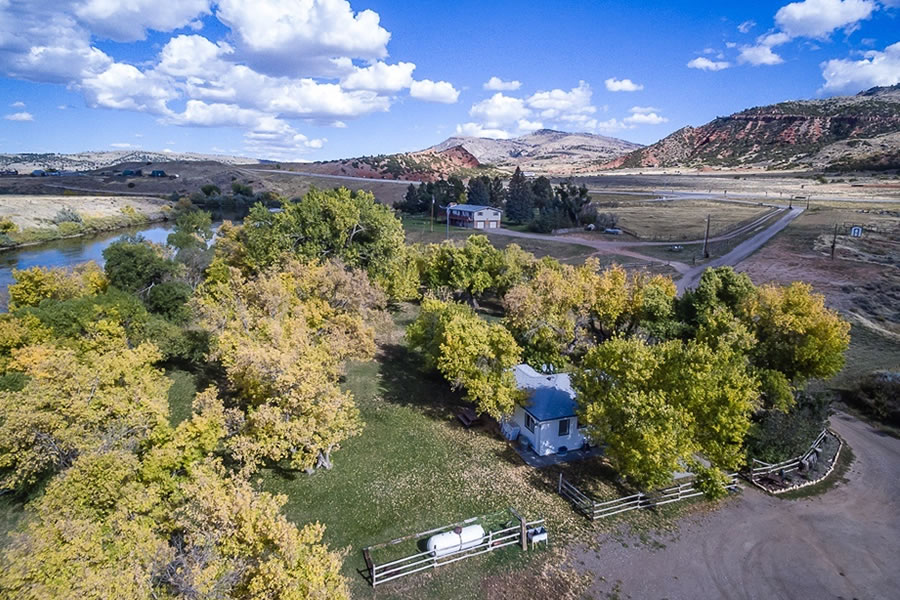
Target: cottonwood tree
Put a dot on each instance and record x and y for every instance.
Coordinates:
(36, 284)
(562, 310)
(656, 407)
(473, 269)
(172, 523)
(283, 338)
(107, 398)
(323, 225)
(470, 353)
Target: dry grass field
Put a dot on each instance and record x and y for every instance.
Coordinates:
(683, 219)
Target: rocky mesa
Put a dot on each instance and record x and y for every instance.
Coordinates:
(859, 132)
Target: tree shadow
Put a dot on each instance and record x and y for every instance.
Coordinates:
(405, 382)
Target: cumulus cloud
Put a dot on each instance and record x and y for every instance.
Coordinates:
(314, 60)
(380, 77)
(874, 69)
(287, 37)
(498, 85)
(572, 106)
(746, 26)
(19, 116)
(815, 19)
(478, 130)
(704, 64)
(434, 91)
(18, 104)
(499, 111)
(129, 21)
(642, 118)
(818, 18)
(622, 85)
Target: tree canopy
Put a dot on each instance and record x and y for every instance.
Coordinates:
(470, 353)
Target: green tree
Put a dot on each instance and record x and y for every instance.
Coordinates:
(498, 193)
(469, 353)
(479, 191)
(657, 407)
(133, 265)
(542, 191)
(520, 201)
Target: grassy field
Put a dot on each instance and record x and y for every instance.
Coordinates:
(294, 186)
(683, 219)
(418, 230)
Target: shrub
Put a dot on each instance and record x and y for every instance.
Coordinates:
(7, 226)
(169, 299)
(878, 394)
(68, 228)
(67, 215)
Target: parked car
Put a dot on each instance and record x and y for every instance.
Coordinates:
(676, 248)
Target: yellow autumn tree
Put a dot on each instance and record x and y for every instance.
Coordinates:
(39, 283)
(283, 338)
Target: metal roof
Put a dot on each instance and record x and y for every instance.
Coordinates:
(552, 397)
(548, 404)
(472, 207)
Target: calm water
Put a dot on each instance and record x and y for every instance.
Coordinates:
(72, 251)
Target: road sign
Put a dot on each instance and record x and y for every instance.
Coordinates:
(856, 231)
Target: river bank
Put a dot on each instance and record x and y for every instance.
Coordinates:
(30, 220)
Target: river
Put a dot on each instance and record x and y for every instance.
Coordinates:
(72, 251)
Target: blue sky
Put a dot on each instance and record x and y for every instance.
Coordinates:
(313, 80)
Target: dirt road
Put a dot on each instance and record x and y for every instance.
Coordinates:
(842, 544)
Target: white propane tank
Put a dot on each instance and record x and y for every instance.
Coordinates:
(449, 542)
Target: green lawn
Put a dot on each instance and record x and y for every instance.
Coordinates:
(418, 230)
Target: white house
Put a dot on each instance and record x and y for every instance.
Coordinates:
(474, 217)
(547, 421)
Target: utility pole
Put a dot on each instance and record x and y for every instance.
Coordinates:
(791, 203)
(807, 202)
(447, 214)
(706, 240)
(834, 241)
(432, 213)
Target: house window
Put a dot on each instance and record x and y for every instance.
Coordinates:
(529, 423)
(563, 428)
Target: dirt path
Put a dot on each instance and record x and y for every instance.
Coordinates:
(842, 544)
(689, 274)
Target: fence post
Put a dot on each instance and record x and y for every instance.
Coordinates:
(559, 489)
(522, 530)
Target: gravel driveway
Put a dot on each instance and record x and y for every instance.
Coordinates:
(842, 544)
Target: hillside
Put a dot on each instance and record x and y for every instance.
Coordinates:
(424, 165)
(90, 161)
(843, 132)
(544, 151)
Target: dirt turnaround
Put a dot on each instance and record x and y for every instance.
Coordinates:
(842, 544)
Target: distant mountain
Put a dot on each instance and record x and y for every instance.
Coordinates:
(544, 151)
(858, 131)
(90, 161)
(423, 165)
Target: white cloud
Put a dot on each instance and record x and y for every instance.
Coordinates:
(477, 130)
(123, 145)
(129, 21)
(573, 105)
(651, 118)
(874, 69)
(434, 91)
(818, 18)
(612, 126)
(19, 116)
(380, 77)
(499, 111)
(642, 110)
(292, 37)
(18, 104)
(498, 85)
(316, 60)
(746, 26)
(759, 55)
(704, 64)
(622, 85)
(526, 126)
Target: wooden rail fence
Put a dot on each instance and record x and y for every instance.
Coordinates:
(593, 509)
(380, 573)
(765, 469)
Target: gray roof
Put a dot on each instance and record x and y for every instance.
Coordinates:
(548, 404)
(472, 207)
(551, 396)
